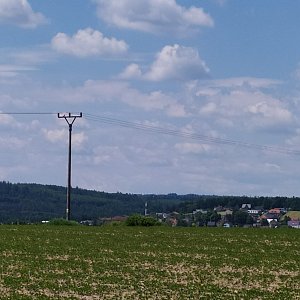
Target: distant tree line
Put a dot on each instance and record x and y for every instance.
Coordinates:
(26, 203)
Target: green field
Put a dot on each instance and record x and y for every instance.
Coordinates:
(76, 262)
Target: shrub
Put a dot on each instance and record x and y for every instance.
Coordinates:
(138, 220)
(64, 222)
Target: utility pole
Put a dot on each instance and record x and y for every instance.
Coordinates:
(70, 119)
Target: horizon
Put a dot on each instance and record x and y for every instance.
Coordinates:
(155, 194)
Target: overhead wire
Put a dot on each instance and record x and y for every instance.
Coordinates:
(185, 134)
(28, 113)
(171, 132)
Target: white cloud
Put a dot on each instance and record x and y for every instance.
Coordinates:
(13, 70)
(131, 71)
(98, 91)
(177, 62)
(61, 135)
(271, 110)
(209, 108)
(12, 143)
(19, 12)
(107, 154)
(88, 42)
(242, 101)
(154, 16)
(177, 110)
(155, 100)
(56, 135)
(6, 119)
(172, 63)
(34, 56)
(78, 139)
(18, 61)
(142, 160)
(246, 82)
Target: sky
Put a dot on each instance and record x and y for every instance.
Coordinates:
(177, 96)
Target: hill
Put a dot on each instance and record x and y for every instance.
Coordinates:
(35, 202)
(23, 202)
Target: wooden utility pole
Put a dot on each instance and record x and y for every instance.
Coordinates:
(70, 119)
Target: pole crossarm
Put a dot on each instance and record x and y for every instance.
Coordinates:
(70, 119)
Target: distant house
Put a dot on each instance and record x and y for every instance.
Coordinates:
(269, 216)
(260, 208)
(226, 212)
(87, 222)
(174, 214)
(276, 211)
(226, 215)
(162, 216)
(202, 211)
(294, 224)
(246, 206)
(172, 221)
(253, 211)
(273, 223)
(113, 219)
(218, 208)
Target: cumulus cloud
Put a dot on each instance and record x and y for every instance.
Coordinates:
(20, 13)
(88, 42)
(172, 63)
(131, 71)
(61, 135)
(56, 135)
(177, 62)
(270, 109)
(240, 100)
(153, 16)
(79, 139)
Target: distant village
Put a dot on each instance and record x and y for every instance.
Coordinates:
(247, 216)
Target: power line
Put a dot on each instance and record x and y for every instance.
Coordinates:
(172, 132)
(185, 134)
(28, 113)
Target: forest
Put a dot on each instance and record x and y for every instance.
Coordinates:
(29, 203)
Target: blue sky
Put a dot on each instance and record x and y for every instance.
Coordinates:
(208, 83)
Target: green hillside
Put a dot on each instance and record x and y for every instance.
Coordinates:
(35, 202)
(23, 202)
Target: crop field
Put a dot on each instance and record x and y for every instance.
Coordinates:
(77, 262)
